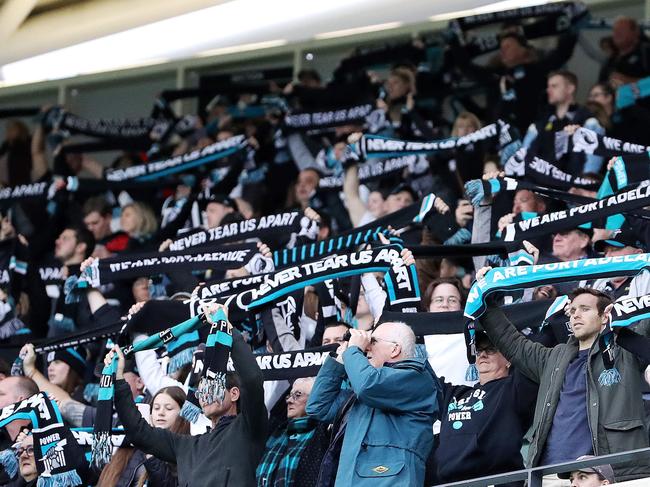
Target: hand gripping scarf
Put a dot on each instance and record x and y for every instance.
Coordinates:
(55, 450)
(522, 277)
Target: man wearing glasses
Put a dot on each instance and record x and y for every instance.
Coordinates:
(388, 434)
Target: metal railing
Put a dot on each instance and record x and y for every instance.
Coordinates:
(535, 475)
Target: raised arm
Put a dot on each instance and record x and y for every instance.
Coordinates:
(326, 397)
(356, 208)
(529, 357)
(155, 441)
(251, 400)
(388, 388)
(39, 157)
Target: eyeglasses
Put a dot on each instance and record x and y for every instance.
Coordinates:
(29, 450)
(449, 299)
(487, 350)
(374, 340)
(295, 396)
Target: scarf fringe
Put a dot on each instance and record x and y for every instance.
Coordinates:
(180, 359)
(472, 373)
(91, 392)
(66, 479)
(609, 377)
(213, 389)
(190, 411)
(9, 462)
(462, 236)
(475, 191)
(102, 449)
(17, 367)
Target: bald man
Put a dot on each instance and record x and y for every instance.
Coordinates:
(395, 403)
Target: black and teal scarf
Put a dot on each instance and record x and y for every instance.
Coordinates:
(304, 121)
(541, 21)
(522, 277)
(181, 163)
(55, 450)
(281, 224)
(414, 214)
(212, 385)
(375, 146)
(527, 166)
(557, 221)
(191, 409)
(129, 266)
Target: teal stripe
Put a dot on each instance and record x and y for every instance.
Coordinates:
(192, 336)
(184, 167)
(219, 337)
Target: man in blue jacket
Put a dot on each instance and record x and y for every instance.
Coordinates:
(388, 433)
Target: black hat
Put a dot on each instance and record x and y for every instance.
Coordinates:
(222, 199)
(622, 238)
(74, 357)
(405, 187)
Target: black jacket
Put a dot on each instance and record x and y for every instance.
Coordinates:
(225, 457)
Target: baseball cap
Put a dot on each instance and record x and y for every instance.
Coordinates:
(605, 472)
(622, 238)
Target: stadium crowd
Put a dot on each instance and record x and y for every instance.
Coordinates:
(416, 280)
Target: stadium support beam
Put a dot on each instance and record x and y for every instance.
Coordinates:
(12, 14)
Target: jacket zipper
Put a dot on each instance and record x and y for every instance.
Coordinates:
(227, 477)
(546, 409)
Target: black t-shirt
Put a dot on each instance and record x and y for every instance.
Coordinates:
(483, 427)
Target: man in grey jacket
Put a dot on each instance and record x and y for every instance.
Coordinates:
(574, 415)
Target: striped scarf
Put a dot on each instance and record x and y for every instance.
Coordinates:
(283, 450)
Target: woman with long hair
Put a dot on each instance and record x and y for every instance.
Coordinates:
(130, 467)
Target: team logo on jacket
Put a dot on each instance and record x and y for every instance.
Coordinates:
(380, 469)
